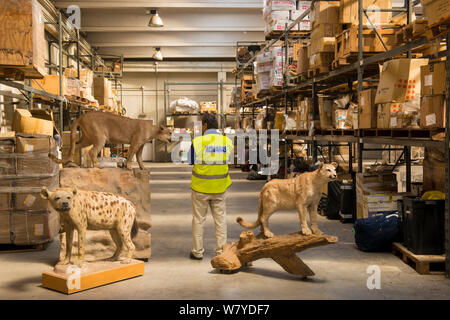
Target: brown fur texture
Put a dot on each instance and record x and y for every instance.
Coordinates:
(90, 210)
(99, 128)
(302, 193)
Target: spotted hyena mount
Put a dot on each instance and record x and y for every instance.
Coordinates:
(89, 210)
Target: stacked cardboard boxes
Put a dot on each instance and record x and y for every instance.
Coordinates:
(279, 13)
(432, 108)
(324, 27)
(304, 113)
(103, 92)
(375, 194)
(26, 218)
(398, 93)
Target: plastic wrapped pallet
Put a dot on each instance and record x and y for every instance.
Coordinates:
(28, 218)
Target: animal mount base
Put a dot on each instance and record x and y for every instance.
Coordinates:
(69, 279)
(281, 248)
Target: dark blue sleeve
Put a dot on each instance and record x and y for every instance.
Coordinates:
(191, 156)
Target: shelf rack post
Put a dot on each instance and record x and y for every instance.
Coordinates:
(447, 158)
(60, 70)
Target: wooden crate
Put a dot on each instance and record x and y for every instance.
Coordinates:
(347, 41)
(22, 40)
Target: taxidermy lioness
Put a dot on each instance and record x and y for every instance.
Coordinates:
(302, 193)
(98, 128)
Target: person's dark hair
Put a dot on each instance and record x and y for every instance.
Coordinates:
(210, 120)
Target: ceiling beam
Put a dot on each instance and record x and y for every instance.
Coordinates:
(162, 4)
(163, 44)
(173, 29)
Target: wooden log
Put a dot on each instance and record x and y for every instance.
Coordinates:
(281, 248)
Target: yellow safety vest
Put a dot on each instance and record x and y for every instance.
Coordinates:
(210, 171)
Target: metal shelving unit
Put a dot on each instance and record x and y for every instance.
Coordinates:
(359, 71)
(60, 33)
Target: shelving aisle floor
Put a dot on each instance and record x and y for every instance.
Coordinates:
(340, 269)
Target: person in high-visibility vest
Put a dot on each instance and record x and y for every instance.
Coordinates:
(210, 155)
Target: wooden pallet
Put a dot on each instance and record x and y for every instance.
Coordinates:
(19, 72)
(11, 248)
(347, 41)
(423, 264)
(292, 34)
(317, 71)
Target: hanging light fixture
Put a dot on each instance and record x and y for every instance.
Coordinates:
(155, 19)
(158, 54)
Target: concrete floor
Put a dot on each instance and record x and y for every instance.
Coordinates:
(340, 269)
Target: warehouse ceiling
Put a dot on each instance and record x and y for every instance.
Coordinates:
(193, 30)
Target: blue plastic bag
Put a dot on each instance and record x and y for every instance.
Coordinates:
(377, 233)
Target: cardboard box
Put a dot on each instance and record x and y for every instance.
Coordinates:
(323, 38)
(23, 122)
(399, 80)
(26, 228)
(102, 91)
(277, 5)
(33, 144)
(324, 12)
(321, 59)
(302, 59)
(349, 12)
(22, 39)
(50, 84)
(383, 116)
(434, 177)
(374, 185)
(432, 78)
(368, 109)
(432, 111)
(436, 11)
(326, 113)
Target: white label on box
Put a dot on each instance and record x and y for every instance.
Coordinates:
(393, 121)
(429, 80)
(29, 148)
(430, 119)
(29, 200)
(38, 230)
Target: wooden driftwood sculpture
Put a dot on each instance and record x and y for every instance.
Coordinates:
(281, 248)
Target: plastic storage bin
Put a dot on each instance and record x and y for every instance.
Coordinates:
(424, 225)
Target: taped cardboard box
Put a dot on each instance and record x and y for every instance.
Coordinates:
(24, 122)
(432, 111)
(26, 228)
(399, 80)
(22, 39)
(437, 11)
(349, 12)
(432, 78)
(302, 58)
(368, 109)
(324, 12)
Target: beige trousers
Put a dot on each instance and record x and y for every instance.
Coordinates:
(200, 204)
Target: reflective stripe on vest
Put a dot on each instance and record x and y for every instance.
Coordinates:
(211, 174)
